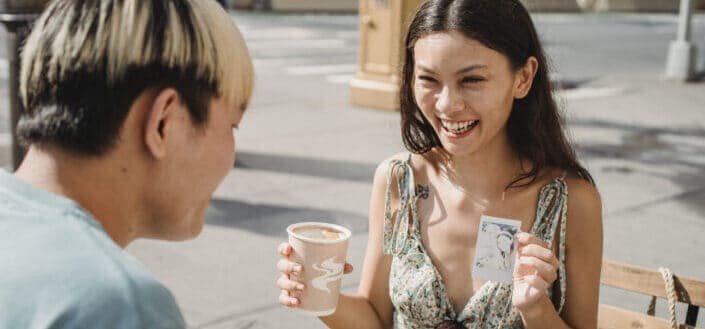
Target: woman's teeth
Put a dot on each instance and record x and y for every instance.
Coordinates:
(459, 127)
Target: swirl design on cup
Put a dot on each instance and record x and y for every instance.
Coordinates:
(332, 272)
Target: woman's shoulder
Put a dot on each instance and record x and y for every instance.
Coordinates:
(579, 189)
(582, 194)
(384, 164)
(584, 211)
(418, 162)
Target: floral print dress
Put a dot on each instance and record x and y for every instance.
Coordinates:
(416, 287)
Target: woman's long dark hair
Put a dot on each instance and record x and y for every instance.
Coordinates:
(534, 125)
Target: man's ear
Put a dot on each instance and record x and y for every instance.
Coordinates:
(524, 78)
(161, 112)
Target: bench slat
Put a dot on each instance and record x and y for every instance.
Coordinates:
(648, 282)
(610, 317)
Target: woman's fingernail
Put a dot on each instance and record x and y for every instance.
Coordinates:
(297, 268)
(300, 286)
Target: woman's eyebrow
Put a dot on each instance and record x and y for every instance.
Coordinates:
(461, 71)
(425, 69)
(471, 68)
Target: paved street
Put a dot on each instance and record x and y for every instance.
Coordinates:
(304, 153)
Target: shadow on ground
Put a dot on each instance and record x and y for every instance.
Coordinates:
(333, 169)
(272, 220)
(680, 151)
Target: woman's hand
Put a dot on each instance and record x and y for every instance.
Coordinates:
(535, 270)
(292, 290)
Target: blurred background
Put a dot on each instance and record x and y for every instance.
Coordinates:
(323, 116)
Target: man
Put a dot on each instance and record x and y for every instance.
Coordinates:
(130, 110)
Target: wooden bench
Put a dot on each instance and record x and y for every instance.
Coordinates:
(648, 282)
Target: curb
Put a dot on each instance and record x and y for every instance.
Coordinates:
(552, 5)
(639, 6)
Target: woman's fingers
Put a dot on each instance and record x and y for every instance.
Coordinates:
(295, 293)
(531, 265)
(284, 249)
(539, 252)
(524, 239)
(285, 283)
(287, 300)
(536, 282)
(534, 259)
(291, 291)
(288, 267)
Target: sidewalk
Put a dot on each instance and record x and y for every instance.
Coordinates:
(305, 153)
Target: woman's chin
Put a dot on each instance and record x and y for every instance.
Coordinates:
(457, 150)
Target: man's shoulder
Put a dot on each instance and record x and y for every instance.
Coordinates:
(112, 284)
(128, 291)
(68, 271)
(92, 289)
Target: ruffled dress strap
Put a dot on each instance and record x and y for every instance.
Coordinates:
(398, 230)
(551, 217)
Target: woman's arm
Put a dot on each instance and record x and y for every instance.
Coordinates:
(583, 264)
(371, 307)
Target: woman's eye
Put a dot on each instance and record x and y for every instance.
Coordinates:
(426, 79)
(469, 80)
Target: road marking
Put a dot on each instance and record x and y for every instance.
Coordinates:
(352, 34)
(5, 139)
(274, 33)
(340, 78)
(270, 45)
(588, 92)
(321, 69)
(4, 69)
(280, 61)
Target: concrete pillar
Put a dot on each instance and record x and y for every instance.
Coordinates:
(17, 16)
(680, 64)
(382, 29)
(17, 23)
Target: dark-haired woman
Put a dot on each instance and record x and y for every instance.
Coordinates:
(485, 138)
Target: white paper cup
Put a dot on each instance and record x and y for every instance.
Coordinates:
(323, 261)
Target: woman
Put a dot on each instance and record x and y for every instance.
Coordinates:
(485, 138)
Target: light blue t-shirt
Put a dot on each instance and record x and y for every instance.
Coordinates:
(59, 269)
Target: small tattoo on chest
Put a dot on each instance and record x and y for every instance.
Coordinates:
(422, 191)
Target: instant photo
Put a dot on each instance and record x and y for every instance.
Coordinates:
(495, 249)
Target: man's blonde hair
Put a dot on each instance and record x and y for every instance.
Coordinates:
(86, 61)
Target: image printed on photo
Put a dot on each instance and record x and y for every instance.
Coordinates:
(495, 249)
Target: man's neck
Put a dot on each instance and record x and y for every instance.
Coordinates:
(99, 184)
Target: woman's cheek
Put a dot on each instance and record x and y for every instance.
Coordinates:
(424, 98)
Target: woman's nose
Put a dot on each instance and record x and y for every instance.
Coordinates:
(449, 101)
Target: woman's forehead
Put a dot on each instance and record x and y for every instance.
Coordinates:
(448, 41)
(452, 49)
